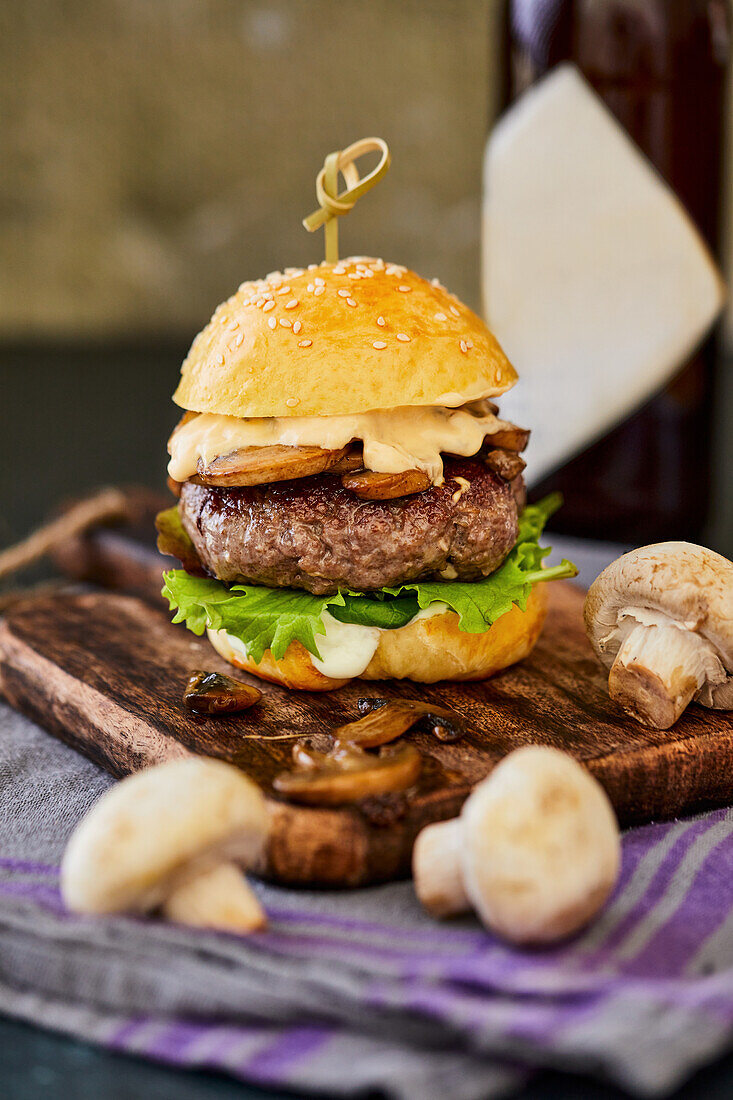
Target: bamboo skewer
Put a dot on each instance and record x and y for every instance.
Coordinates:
(333, 205)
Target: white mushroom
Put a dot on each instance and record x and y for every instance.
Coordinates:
(174, 837)
(661, 619)
(535, 851)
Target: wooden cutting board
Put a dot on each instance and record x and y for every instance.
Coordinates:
(105, 673)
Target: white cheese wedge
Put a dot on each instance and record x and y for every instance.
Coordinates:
(596, 282)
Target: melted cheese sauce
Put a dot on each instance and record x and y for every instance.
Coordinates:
(407, 438)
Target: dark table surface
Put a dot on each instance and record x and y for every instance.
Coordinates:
(36, 1064)
(70, 420)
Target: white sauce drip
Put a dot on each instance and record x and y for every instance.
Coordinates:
(346, 648)
(406, 438)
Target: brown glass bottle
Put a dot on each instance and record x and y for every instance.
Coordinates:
(660, 66)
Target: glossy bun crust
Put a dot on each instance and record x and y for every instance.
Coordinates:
(424, 651)
(340, 339)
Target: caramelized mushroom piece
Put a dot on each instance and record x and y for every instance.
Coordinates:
(385, 720)
(510, 438)
(505, 463)
(213, 693)
(348, 774)
(261, 465)
(352, 460)
(369, 485)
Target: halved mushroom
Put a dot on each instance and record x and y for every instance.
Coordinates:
(214, 693)
(348, 774)
(535, 851)
(171, 837)
(385, 720)
(661, 619)
(506, 464)
(370, 485)
(261, 465)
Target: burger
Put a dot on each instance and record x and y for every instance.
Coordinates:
(350, 502)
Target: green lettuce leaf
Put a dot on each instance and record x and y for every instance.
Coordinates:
(479, 604)
(272, 618)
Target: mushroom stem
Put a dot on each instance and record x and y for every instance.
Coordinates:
(437, 869)
(217, 898)
(657, 671)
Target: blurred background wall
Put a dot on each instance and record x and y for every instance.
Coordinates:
(157, 153)
(153, 155)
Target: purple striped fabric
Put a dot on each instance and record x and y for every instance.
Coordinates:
(644, 994)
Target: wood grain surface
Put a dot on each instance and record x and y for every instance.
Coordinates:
(105, 673)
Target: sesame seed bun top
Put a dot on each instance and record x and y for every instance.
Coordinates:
(337, 339)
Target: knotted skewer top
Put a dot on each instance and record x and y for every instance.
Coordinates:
(332, 204)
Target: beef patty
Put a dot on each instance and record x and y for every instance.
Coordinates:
(314, 534)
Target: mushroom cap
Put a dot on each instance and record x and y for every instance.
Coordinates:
(688, 583)
(541, 849)
(157, 829)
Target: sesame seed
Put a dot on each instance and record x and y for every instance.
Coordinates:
(404, 289)
(273, 275)
(319, 281)
(379, 344)
(344, 293)
(292, 402)
(463, 346)
(268, 306)
(220, 360)
(292, 303)
(313, 267)
(339, 271)
(286, 323)
(454, 311)
(350, 302)
(310, 288)
(381, 322)
(304, 343)
(283, 290)
(469, 344)
(239, 339)
(441, 317)
(297, 327)
(272, 322)
(267, 296)
(319, 290)
(403, 337)
(233, 325)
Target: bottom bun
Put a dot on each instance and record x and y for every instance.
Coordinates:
(426, 650)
